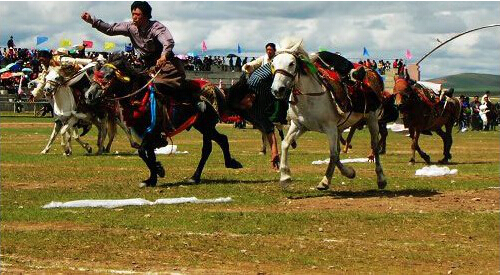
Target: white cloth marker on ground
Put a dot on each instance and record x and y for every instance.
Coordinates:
(131, 202)
(435, 171)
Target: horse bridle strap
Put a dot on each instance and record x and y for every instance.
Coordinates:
(284, 72)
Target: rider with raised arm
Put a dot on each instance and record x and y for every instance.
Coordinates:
(154, 45)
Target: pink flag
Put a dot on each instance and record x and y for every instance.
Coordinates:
(203, 46)
(408, 55)
(88, 44)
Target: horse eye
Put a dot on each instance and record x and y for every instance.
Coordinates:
(291, 64)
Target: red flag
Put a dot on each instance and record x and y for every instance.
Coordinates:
(88, 44)
(203, 46)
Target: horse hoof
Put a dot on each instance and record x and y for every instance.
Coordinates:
(193, 180)
(151, 182)
(294, 145)
(322, 186)
(160, 171)
(89, 151)
(43, 152)
(443, 161)
(135, 145)
(234, 164)
(350, 173)
(411, 162)
(382, 184)
(262, 153)
(285, 182)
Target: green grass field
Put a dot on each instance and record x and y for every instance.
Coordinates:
(417, 225)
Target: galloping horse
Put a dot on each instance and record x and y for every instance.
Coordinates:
(421, 113)
(67, 85)
(313, 108)
(148, 113)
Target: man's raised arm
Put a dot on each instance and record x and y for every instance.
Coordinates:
(109, 29)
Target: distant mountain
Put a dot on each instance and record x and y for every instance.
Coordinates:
(470, 83)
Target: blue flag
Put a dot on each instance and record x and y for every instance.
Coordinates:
(41, 39)
(365, 52)
(239, 48)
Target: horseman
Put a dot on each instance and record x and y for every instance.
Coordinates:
(266, 108)
(154, 44)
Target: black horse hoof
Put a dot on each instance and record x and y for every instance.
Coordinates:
(382, 184)
(234, 164)
(427, 159)
(160, 171)
(294, 144)
(443, 161)
(151, 182)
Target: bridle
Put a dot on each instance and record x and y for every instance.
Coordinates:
(295, 76)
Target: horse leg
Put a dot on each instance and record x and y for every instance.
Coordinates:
(292, 135)
(102, 132)
(373, 126)
(422, 154)
(206, 150)
(55, 131)
(147, 154)
(447, 141)
(223, 142)
(111, 135)
(66, 144)
(333, 141)
(382, 127)
(85, 145)
(280, 127)
(127, 131)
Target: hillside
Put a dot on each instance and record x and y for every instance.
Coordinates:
(470, 83)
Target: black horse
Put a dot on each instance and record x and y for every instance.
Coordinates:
(151, 115)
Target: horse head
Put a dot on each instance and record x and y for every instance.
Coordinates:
(402, 89)
(53, 80)
(286, 65)
(109, 79)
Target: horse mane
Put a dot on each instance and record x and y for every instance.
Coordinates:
(237, 91)
(122, 63)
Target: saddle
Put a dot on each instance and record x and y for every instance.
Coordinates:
(349, 95)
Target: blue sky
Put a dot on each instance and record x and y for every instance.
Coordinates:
(386, 29)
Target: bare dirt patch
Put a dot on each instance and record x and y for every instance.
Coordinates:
(485, 200)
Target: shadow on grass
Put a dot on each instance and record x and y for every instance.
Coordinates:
(372, 193)
(214, 181)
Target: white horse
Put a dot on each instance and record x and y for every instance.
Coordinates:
(65, 107)
(313, 108)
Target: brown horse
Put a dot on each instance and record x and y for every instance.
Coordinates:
(423, 113)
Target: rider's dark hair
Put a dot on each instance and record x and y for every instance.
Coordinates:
(143, 6)
(272, 45)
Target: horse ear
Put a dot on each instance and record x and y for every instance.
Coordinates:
(296, 46)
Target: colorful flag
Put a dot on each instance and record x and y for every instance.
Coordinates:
(203, 46)
(239, 48)
(408, 55)
(65, 43)
(109, 45)
(129, 48)
(88, 44)
(41, 39)
(365, 52)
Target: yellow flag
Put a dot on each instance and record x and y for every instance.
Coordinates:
(109, 45)
(65, 43)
